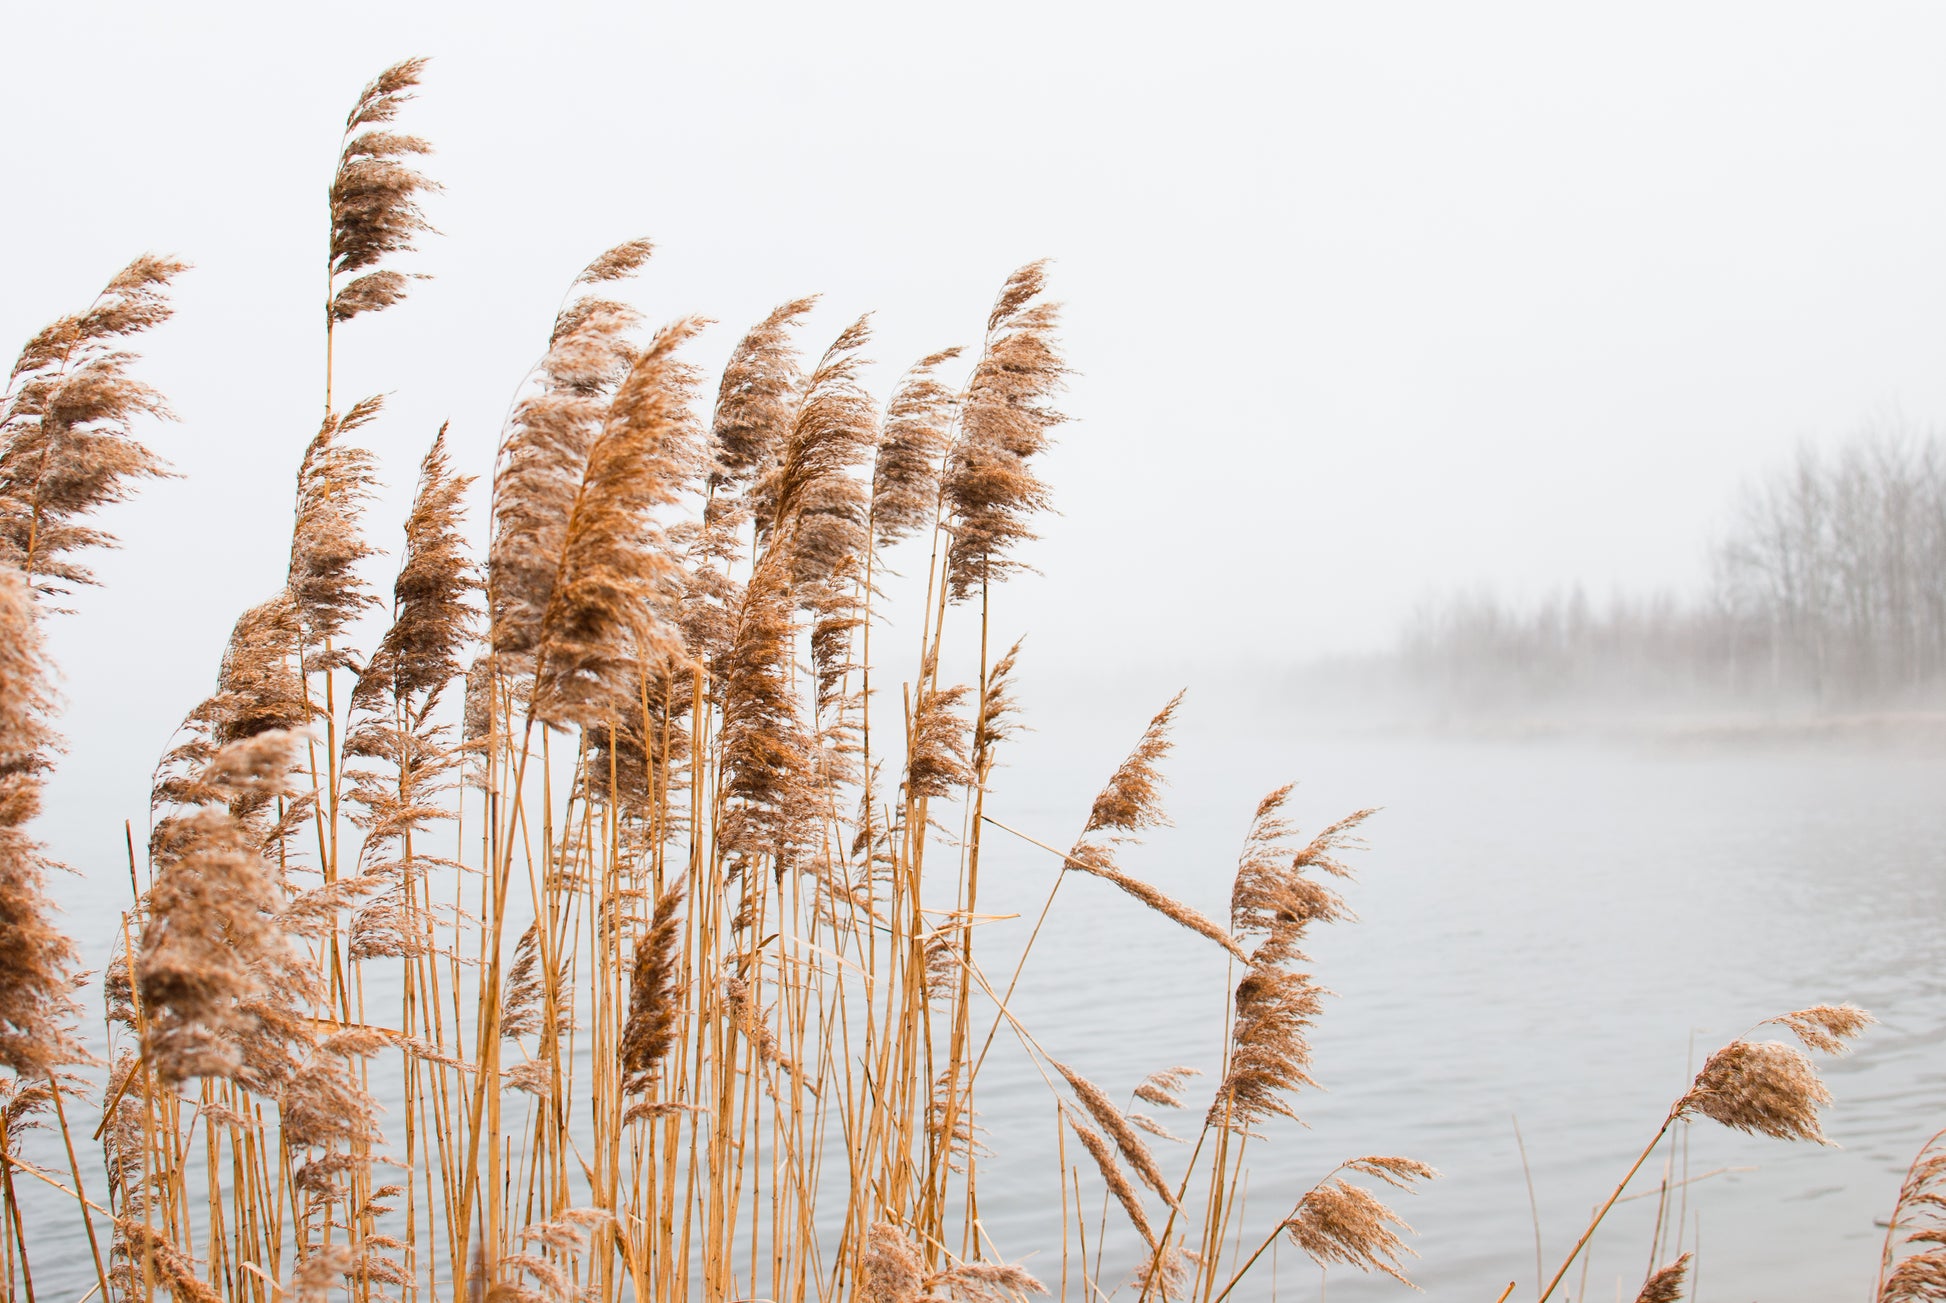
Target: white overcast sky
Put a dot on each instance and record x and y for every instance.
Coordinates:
(1367, 301)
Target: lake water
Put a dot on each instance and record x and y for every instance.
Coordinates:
(1555, 931)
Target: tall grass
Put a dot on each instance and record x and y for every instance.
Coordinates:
(638, 862)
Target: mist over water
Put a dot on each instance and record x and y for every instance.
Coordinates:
(1552, 928)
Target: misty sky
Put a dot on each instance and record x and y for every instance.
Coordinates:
(1367, 301)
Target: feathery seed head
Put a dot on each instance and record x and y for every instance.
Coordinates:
(650, 1030)
(1132, 800)
(985, 1282)
(989, 488)
(1826, 1027)
(1665, 1285)
(36, 999)
(67, 416)
(757, 399)
(1339, 1222)
(375, 207)
(1113, 1177)
(432, 621)
(997, 721)
(211, 948)
(618, 263)
(1764, 1087)
(1111, 1119)
(334, 482)
(936, 759)
(890, 1270)
(1164, 1088)
(1097, 860)
(913, 439)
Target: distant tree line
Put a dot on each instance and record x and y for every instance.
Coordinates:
(1830, 584)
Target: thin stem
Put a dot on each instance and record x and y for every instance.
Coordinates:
(1602, 1212)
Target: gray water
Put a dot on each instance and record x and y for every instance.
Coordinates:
(1554, 931)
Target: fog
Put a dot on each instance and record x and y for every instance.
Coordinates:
(1366, 302)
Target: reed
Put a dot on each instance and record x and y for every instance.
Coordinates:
(601, 865)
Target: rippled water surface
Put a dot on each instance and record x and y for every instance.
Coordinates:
(1554, 932)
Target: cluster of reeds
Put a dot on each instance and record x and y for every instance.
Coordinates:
(588, 857)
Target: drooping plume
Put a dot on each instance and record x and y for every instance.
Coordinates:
(650, 1030)
(913, 439)
(577, 569)
(1113, 1121)
(991, 489)
(1130, 802)
(1132, 799)
(1115, 1179)
(36, 1002)
(334, 481)
(432, 621)
(936, 761)
(1665, 1285)
(211, 931)
(757, 399)
(1770, 1088)
(67, 417)
(375, 208)
(1765, 1087)
(1277, 1001)
(1339, 1222)
(812, 500)
(612, 605)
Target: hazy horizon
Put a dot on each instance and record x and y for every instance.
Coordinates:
(1364, 305)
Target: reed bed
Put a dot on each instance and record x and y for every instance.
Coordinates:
(591, 853)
